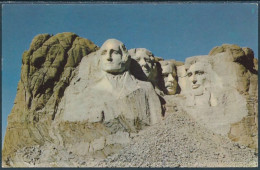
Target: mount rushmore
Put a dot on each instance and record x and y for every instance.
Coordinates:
(77, 102)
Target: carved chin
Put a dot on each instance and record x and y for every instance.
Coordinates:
(110, 68)
(198, 91)
(171, 90)
(114, 71)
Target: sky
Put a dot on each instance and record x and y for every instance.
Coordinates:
(169, 30)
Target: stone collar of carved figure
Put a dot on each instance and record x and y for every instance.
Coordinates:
(197, 77)
(169, 76)
(114, 57)
(145, 59)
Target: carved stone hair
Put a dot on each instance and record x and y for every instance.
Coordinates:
(168, 62)
(147, 52)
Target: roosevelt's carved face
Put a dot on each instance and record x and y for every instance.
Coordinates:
(197, 77)
(144, 58)
(169, 76)
(113, 56)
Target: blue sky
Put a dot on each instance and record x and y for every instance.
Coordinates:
(172, 31)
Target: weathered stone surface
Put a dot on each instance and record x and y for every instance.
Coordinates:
(246, 73)
(47, 68)
(221, 92)
(146, 68)
(77, 104)
(105, 93)
(169, 76)
(244, 56)
(178, 141)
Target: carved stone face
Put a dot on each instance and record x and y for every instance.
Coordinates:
(144, 59)
(197, 78)
(112, 57)
(169, 76)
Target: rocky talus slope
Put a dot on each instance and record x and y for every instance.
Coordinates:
(178, 141)
(181, 142)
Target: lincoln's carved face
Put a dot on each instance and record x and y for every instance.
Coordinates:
(197, 77)
(144, 58)
(114, 57)
(169, 76)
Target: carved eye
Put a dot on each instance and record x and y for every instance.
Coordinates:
(103, 52)
(165, 75)
(189, 74)
(199, 72)
(146, 59)
(123, 47)
(115, 52)
(137, 59)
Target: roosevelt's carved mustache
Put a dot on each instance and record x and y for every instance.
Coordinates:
(168, 84)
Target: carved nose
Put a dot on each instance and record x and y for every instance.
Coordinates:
(170, 78)
(194, 81)
(109, 58)
(142, 62)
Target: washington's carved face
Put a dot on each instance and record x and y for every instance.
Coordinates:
(169, 76)
(112, 54)
(197, 77)
(144, 60)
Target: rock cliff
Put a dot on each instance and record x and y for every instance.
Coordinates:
(47, 69)
(81, 105)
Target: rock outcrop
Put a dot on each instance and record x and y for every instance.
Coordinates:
(81, 105)
(246, 130)
(221, 91)
(180, 141)
(47, 69)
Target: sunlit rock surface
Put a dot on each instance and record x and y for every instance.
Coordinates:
(80, 105)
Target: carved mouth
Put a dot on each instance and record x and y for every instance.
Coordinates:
(111, 63)
(195, 86)
(169, 85)
(108, 63)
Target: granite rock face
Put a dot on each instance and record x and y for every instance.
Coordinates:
(47, 69)
(81, 105)
(112, 102)
(221, 91)
(246, 130)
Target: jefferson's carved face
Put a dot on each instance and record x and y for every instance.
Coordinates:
(112, 54)
(197, 77)
(169, 76)
(144, 59)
